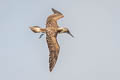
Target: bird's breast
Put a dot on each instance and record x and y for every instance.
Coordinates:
(51, 32)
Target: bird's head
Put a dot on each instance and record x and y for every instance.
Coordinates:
(65, 30)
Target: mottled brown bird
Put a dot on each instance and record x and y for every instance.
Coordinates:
(51, 30)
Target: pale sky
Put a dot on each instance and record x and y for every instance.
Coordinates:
(94, 53)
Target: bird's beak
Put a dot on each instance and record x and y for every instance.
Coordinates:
(70, 33)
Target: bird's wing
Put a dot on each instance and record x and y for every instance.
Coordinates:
(54, 51)
(57, 15)
(56, 12)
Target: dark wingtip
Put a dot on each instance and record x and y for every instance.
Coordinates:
(50, 69)
(56, 12)
(52, 9)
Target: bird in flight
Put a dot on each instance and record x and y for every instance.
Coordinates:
(52, 30)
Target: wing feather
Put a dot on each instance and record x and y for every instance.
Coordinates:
(54, 51)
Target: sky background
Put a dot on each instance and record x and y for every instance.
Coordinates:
(94, 53)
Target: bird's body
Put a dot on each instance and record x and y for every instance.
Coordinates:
(52, 29)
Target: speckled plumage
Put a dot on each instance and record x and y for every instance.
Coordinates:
(52, 30)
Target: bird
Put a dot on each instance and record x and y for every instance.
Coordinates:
(52, 30)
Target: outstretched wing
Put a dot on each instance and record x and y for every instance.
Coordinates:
(56, 16)
(56, 12)
(54, 51)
